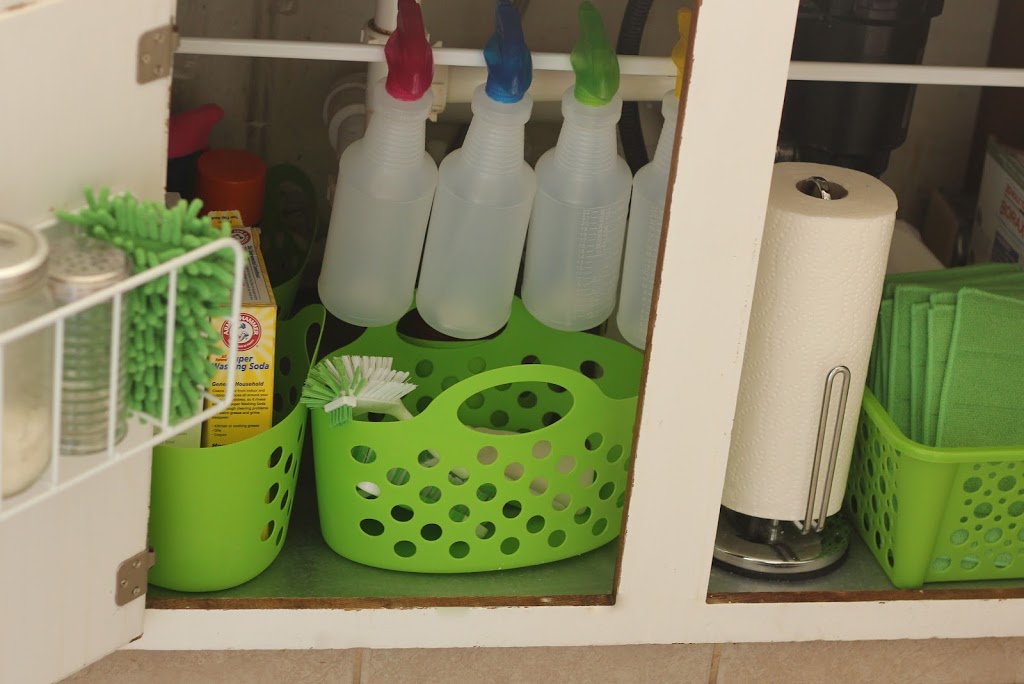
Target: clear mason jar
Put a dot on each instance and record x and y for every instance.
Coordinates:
(26, 363)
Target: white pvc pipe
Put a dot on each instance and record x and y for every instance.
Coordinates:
(358, 52)
(915, 74)
(386, 16)
(628, 65)
(548, 86)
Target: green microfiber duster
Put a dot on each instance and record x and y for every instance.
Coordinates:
(152, 234)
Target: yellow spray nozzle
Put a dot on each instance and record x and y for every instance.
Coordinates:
(683, 17)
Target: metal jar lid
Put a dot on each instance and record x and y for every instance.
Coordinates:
(22, 258)
(80, 265)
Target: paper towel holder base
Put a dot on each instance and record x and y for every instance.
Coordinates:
(778, 548)
(783, 548)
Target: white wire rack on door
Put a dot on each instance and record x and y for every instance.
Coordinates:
(146, 431)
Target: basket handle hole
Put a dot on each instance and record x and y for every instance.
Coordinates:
(515, 408)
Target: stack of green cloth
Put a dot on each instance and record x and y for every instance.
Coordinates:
(948, 356)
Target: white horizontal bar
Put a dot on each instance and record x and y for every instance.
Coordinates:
(629, 65)
(360, 52)
(916, 74)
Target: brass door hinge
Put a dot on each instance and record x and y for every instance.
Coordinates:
(156, 53)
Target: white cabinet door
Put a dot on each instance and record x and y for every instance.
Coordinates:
(73, 115)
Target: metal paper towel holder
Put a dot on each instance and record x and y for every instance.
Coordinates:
(801, 548)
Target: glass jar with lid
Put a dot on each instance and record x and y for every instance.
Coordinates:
(26, 363)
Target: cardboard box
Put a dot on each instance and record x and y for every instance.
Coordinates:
(947, 226)
(999, 217)
(251, 411)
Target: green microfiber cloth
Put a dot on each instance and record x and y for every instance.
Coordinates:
(941, 315)
(918, 362)
(982, 400)
(946, 275)
(883, 330)
(151, 234)
(940, 332)
(901, 353)
(883, 334)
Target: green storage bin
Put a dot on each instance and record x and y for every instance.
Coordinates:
(219, 516)
(285, 251)
(435, 494)
(935, 515)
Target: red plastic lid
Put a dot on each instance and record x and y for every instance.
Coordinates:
(408, 54)
(189, 131)
(232, 179)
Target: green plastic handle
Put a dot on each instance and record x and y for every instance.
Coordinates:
(582, 389)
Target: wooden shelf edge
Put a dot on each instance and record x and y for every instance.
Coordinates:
(376, 602)
(871, 595)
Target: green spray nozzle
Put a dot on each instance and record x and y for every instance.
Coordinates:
(593, 60)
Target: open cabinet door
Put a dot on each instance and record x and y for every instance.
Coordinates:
(76, 111)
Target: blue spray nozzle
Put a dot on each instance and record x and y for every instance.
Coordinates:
(509, 65)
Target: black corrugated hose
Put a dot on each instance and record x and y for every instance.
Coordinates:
(634, 19)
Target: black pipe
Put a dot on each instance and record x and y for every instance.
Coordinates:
(856, 125)
(634, 19)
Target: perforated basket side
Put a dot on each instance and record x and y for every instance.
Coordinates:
(894, 499)
(931, 515)
(982, 532)
(432, 494)
(219, 516)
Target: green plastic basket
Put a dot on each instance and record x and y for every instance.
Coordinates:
(935, 515)
(289, 231)
(219, 516)
(435, 494)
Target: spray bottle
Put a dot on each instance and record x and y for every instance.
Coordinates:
(484, 196)
(574, 245)
(385, 188)
(647, 211)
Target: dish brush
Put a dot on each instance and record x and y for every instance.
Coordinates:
(152, 234)
(362, 384)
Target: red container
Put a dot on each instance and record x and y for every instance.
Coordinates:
(232, 179)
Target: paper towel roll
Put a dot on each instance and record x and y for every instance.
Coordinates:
(819, 281)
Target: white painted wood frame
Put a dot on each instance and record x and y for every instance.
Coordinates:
(72, 115)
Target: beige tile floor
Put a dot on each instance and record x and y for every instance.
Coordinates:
(969, 661)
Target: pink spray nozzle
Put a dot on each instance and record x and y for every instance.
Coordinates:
(408, 54)
(189, 132)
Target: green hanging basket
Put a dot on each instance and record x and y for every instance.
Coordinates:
(518, 455)
(219, 516)
(288, 232)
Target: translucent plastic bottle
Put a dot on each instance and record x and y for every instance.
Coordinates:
(574, 244)
(643, 236)
(647, 210)
(484, 196)
(386, 184)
